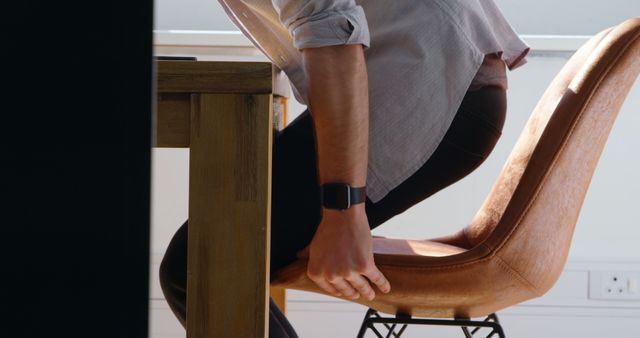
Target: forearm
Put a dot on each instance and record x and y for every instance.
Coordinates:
(341, 258)
(339, 104)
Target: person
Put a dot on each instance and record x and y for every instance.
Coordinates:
(404, 98)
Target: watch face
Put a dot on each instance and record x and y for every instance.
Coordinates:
(336, 196)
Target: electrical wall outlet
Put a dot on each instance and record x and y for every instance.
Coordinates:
(614, 285)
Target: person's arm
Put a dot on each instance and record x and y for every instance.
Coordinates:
(341, 251)
(332, 35)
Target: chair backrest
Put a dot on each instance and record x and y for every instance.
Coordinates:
(529, 217)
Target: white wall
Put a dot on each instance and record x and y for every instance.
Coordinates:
(191, 15)
(566, 17)
(607, 232)
(608, 226)
(607, 229)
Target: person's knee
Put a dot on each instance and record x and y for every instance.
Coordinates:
(174, 290)
(173, 275)
(170, 280)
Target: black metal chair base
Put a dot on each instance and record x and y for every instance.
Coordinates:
(400, 322)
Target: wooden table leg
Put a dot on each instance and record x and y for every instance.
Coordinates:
(229, 215)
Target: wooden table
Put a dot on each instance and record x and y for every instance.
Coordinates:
(224, 113)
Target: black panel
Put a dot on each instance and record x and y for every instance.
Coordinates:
(75, 133)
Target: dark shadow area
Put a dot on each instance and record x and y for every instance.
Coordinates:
(75, 141)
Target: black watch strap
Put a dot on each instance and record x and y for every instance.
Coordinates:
(341, 196)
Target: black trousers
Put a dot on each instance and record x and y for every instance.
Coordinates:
(471, 137)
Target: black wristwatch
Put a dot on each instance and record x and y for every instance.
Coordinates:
(341, 196)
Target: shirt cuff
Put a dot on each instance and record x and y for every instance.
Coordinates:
(333, 28)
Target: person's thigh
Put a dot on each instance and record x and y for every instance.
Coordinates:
(295, 211)
(469, 140)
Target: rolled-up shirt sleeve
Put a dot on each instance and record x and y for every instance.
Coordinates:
(318, 23)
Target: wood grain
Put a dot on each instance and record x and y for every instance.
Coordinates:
(220, 77)
(212, 107)
(229, 215)
(172, 120)
(172, 124)
(280, 118)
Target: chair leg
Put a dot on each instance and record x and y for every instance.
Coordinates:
(368, 324)
(469, 327)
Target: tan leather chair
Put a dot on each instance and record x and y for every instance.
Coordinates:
(517, 244)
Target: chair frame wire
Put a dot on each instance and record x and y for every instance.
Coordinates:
(373, 317)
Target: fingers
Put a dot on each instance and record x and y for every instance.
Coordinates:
(377, 278)
(345, 288)
(362, 285)
(326, 286)
(354, 285)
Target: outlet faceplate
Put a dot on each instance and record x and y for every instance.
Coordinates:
(614, 285)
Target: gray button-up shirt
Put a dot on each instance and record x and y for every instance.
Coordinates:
(421, 55)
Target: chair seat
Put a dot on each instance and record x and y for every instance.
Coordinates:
(428, 279)
(397, 246)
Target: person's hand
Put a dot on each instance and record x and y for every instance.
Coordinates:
(341, 255)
